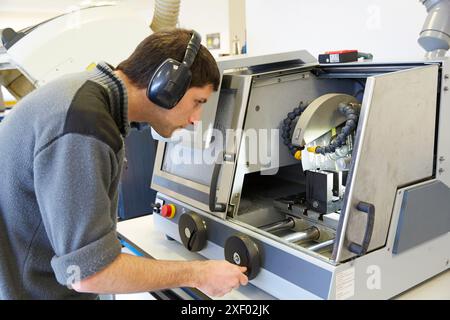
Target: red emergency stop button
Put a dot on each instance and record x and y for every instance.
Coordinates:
(168, 211)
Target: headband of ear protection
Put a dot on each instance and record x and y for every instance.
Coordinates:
(171, 79)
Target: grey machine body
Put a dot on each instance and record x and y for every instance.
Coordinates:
(376, 219)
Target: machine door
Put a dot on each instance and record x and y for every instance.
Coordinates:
(200, 172)
(394, 147)
(202, 176)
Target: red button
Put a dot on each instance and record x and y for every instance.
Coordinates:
(168, 211)
(340, 51)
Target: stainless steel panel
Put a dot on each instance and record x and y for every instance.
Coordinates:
(443, 149)
(424, 215)
(394, 147)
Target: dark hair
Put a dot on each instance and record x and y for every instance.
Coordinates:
(158, 47)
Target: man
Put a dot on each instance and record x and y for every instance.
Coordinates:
(61, 156)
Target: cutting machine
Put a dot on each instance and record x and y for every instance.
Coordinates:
(328, 181)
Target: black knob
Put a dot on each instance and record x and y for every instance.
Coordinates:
(156, 207)
(192, 231)
(243, 251)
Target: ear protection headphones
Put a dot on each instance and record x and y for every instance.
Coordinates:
(171, 79)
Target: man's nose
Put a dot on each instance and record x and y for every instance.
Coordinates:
(196, 116)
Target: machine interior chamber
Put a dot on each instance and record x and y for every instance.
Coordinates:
(267, 203)
(276, 203)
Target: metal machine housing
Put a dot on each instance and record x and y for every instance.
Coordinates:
(393, 165)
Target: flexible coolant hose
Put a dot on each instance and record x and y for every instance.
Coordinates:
(351, 116)
(166, 14)
(288, 127)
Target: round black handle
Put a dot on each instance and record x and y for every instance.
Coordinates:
(192, 230)
(243, 251)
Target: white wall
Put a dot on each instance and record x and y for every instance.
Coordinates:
(389, 29)
(205, 16)
(237, 22)
(208, 16)
(19, 14)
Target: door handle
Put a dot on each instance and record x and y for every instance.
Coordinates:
(369, 209)
(213, 205)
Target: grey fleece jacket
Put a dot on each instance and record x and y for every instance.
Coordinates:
(61, 156)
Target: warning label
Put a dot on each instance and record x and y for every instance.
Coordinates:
(345, 284)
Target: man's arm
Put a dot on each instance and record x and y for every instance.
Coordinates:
(128, 274)
(73, 177)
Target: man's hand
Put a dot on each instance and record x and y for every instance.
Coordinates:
(217, 278)
(129, 274)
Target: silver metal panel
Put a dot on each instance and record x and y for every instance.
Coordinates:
(425, 215)
(394, 147)
(232, 146)
(381, 274)
(443, 149)
(276, 276)
(243, 61)
(272, 284)
(377, 275)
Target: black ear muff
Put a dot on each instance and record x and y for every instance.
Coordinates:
(171, 79)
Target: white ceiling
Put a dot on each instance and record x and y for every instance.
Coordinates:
(41, 5)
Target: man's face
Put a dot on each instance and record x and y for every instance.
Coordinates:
(186, 112)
